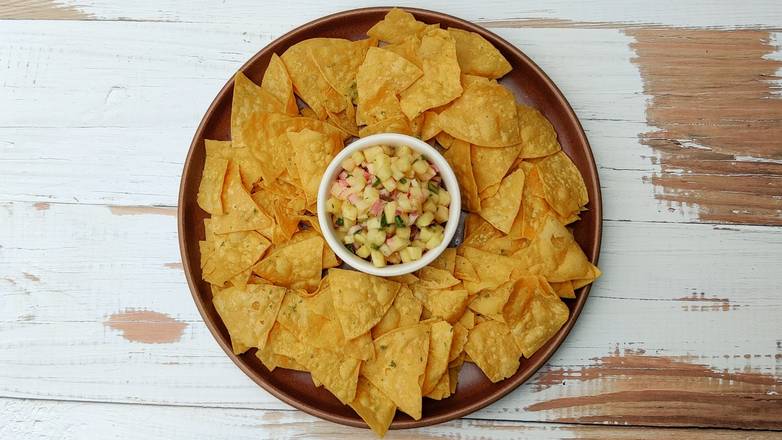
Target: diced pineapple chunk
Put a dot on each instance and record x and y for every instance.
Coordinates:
(372, 152)
(371, 193)
(373, 223)
(389, 184)
(430, 206)
(403, 233)
(434, 241)
(376, 237)
(442, 214)
(363, 251)
(420, 166)
(414, 252)
(385, 250)
(378, 259)
(424, 220)
(348, 239)
(356, 183)
(443, 197)
(390, 211)
(360, 237)
(348, 164)
(334, 205)
(357, 157)
(349, 211)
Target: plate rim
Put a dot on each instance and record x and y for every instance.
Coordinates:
(509, 384)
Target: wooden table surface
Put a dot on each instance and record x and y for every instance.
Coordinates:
(682, 336)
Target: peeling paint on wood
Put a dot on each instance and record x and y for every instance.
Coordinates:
(41, 206)
(31, 277)
(639, 389)
(699, 302)
(40, 10)
(717, 120)
(146, 326)
(177, 265)
(143, 210)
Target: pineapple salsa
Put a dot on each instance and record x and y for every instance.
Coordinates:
(389, 205)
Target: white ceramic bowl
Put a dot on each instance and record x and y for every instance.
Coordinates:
(393, 139)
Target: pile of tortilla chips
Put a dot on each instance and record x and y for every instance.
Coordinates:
(382, 344)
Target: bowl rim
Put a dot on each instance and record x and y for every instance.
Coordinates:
(509, 384)
(396, 140)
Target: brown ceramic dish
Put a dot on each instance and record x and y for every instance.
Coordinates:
(530, 85)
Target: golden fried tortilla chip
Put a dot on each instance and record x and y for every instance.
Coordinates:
(380, 78)
(477, 56)
(241, 212)
(541, 314)
(432, 278)
(495, 125)
(464, 271)
(564, 289)
(445, 304)
(399, 124)
(338, 61)
(249, 166)
(249, 99)
(399, 365)
(231, 254)
(537, 134)
(431, 125)
(442, 390)
(491, 301)
(407, 49)
(345, 120)
(396, 26)
(445, 261)
(314, 151)
(405, 310)
(294, 265)
(277, 82)
(360, 300)
(500, 209)
(210, 189)
(440, 83)
(248, 313)
(308, 82)
(458, 156)
(374, 407)
(339, 374)
(493, 270)
(460, 333)
(439, 347)
(563, 184)
(489, 165)
(492, 347)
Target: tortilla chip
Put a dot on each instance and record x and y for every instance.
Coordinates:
(555, 254)
(464, 271)
(211, 187)
(493, 270)
(492, 347)
(380, 78)
(563, 184)
(337, 373)
(407, 49)
(338, 61)
(535, 315)
(360, 300)
(399, 365)
(460, 333)
(307, 80)
(398, 124)
(440, 83)
(445, 304)
(373, 406)
(241, 212)
(282, 345)
(439, 347)
(314, 151)
(458, 156)
(477, 56)
(537, 134)
(249, 166)
(249, 99)
(405, 310)
(453, 373)
(396, 26)
(500, 210)
(231, 254)
(277, 82)
(248, 314)
(445, 261)
(442, 389)
(491, 301)
(496, 125)
(489, 165)
(564, 289)
(433, 278)
(296, 266)
(345, 120)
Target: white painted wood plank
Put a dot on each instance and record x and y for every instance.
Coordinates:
(111, 124)
(722, 13)
(42, 419)
(65, 269)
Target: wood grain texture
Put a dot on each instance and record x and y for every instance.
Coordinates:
(682, 330)
(36, 419)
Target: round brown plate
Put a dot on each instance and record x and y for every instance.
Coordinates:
(530, 85)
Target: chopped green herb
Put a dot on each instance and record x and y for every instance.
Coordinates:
(403, 180)
(350, 247)
(399, 222)
(433, 188)
(377, 182)
(383, 347)
(392, 364)
(340, 221)
(383, 220)
(374, 247)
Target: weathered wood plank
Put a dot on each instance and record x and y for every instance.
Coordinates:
(100, 293)
(36, 419)
(698, 13)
